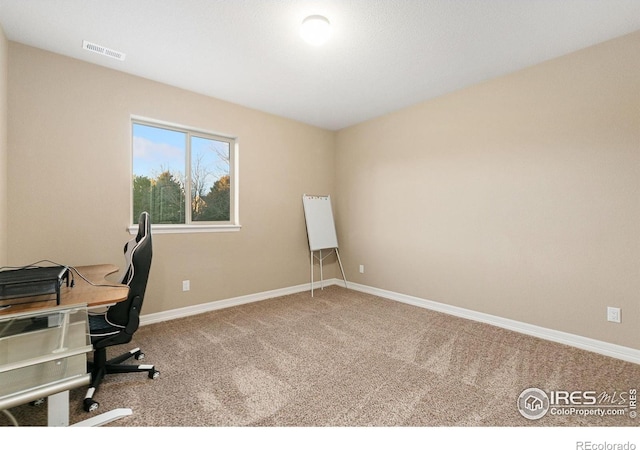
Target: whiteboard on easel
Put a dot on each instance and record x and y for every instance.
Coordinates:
(321, 229)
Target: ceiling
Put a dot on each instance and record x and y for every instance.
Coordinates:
(383, 55)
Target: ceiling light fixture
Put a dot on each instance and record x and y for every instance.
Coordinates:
(315, 30)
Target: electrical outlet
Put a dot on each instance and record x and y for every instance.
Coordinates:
(361, 268)
(613, 314)
(186, 285)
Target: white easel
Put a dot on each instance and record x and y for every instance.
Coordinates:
(321, 232)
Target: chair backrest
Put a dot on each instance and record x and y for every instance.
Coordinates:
(138, 253)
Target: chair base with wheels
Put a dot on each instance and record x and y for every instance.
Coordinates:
(101, 366)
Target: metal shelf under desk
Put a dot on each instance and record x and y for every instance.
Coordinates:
(43, 353)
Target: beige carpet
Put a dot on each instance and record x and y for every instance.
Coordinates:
(344, 358)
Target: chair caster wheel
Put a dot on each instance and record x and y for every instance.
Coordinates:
(139, 355)
(153, 374)
(90, 405)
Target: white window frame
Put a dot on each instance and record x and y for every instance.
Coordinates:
(191, 227)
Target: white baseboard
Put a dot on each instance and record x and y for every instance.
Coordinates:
(592, 345)
(178, 313)
(584, 343)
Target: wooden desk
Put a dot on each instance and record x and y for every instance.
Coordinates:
(100, 293)
(91, 288)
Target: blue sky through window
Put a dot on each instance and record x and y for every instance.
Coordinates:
(156, 150)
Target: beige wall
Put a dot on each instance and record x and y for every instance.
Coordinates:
(4, 61)
(69, 180)
(518, 197)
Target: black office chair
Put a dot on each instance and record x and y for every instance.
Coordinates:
(117, 324)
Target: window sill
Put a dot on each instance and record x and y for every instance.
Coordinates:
(173, 229)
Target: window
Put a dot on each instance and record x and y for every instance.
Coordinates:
(184, 178)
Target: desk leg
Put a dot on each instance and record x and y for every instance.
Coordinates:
(58, 413)
(58, 409)
(104, 418)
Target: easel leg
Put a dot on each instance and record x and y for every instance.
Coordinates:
(341, 269)
(321, 274)
(311, 255)
(320, 258)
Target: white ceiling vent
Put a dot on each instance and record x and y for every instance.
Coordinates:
(103, 50)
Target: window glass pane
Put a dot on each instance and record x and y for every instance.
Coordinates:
(210, 180)
(158, 173)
